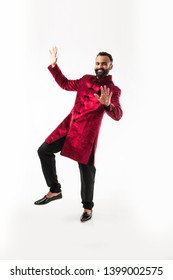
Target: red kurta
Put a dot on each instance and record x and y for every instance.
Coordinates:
(81, 127)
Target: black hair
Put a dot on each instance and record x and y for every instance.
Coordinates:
(106, 54)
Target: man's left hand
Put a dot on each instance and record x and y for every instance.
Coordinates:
(105, 96)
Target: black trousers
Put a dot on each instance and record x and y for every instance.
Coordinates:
(46, 154)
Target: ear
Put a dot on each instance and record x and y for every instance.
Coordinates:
(111, 66)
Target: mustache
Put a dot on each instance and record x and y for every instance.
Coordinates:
(100, 69)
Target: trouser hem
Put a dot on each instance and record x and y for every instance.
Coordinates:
(55, 189)
(88, 205)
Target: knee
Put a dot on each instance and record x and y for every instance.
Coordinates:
(41, 150)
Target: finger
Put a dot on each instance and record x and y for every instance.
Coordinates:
(52, 50)
(107, 90)
(97, 96)
(55, 49)
(110, 95)
(102, 90)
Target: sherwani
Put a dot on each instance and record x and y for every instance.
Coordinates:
(81, 126)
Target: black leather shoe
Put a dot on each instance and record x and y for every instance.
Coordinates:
(46, 200)
(85, 217)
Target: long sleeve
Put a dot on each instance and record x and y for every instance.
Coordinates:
(114, 110)
(63, 82)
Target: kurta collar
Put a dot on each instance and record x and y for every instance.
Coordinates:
(104, 80)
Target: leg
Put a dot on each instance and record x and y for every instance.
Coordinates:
(87, 175)
(47, 158)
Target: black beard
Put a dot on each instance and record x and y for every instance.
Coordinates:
(101, 74)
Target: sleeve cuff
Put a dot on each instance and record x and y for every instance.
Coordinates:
(107, 108)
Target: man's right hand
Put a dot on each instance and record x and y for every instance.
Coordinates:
(53, 56)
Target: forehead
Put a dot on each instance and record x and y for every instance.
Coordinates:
(103, 58)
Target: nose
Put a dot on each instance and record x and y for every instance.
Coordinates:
(99, 65)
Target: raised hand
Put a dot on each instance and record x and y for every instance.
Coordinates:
(105, 96)
(53, 56)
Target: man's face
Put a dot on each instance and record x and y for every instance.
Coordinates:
(103, 66)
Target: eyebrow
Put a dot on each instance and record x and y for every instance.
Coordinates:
(104, 62)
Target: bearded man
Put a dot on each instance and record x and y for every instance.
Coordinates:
(77, 135)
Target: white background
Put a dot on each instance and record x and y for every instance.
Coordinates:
(133, 193)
